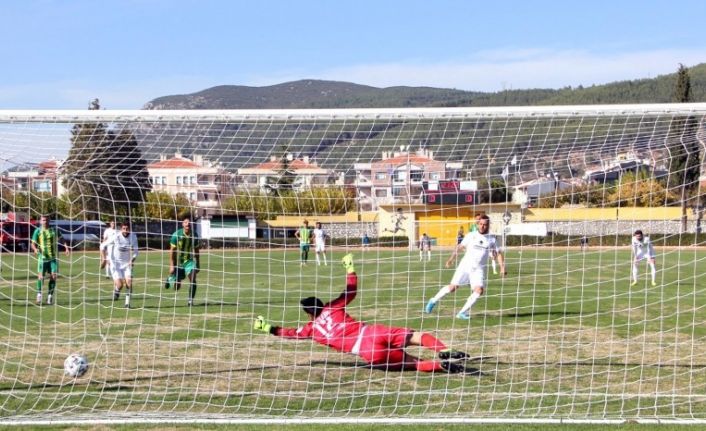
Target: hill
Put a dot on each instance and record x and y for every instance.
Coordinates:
(316, 94)
(483, 146)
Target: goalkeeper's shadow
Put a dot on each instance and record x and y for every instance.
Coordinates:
(468, 371)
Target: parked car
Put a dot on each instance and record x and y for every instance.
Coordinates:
(15, 235)
(79, 234)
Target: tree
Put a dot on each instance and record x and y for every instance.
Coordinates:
(126, 173)
(35, 203)
(684, 148)
(164, 206)
(104, 172)
(640, 190)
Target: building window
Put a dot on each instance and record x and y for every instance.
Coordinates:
(397, 191)
(381, 193)
(192, 179)
(435, 176)
(417, 175)
(178, 180)
(193, 196)
(380, 176)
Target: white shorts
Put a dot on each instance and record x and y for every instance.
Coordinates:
(319, 246)
(642, 257)
(474, 278)
(121, 272)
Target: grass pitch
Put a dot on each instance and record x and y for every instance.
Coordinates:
(564, 335)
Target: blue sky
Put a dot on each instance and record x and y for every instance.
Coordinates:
(60, 54)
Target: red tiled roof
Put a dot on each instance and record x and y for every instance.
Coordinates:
(49, 164)
(413, 158)
(293, 165)
(173, 163)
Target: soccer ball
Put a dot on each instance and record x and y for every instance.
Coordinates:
(75, 365)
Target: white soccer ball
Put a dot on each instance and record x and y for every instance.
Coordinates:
(75, 365)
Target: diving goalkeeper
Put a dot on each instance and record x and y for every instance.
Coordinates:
(380, 345)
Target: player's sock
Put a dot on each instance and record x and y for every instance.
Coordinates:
(429, 366)
(192, 292)
(39, 286)
(431, 342)
(324, 255)
(52, 286)
(127, 297)
(469, 303)
(318, 261)
(653, 272)
(495, 269)
(440, 294)
(635, 272)
(421, 255)
(116, 294)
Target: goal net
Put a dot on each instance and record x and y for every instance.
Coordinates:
(590, 323)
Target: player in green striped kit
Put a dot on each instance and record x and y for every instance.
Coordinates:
(304, 236)
(184, 258)
(45, 244)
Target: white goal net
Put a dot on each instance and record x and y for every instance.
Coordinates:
(591, 322)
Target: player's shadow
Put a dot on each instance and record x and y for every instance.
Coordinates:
(466, 371)
(541, 313)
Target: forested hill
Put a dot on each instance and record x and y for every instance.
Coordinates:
(315, 94)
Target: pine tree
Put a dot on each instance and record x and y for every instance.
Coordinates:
(104, 170)
(684, 148)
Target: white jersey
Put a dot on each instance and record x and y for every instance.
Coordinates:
(642, 249)
(478, 248)
(109, 233)
(319, 236)
(122, 250)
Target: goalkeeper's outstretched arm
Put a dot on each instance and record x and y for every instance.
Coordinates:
(298, 333)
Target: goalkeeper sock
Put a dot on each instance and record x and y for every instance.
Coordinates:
(469, 302)
(428, 366)
(431, 342)
(653, 271)
(39, 285)
(442, 292)
(635, 271)
(52, 285)
(324, 255)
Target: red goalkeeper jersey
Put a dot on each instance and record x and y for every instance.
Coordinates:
(333, 327)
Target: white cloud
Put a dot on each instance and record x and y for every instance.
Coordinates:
(518, 69)
(491, 70)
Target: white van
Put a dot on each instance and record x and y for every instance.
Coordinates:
(79, 233)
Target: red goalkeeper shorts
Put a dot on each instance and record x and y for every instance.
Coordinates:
(384, 345)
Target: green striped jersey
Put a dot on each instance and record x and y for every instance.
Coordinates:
(46, 241)
(185, 244)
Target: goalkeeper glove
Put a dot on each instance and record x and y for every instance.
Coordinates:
(262, 325)
(348, 263)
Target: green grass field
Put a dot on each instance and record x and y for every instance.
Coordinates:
(564, 335)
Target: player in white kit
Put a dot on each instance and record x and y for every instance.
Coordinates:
(642, 249)
(320, 243)
(478, 244)
(107, 234)
(122, 252)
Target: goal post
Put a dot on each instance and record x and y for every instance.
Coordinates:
(591, 323)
